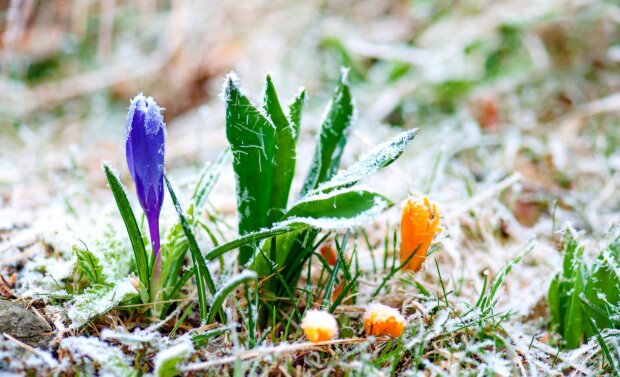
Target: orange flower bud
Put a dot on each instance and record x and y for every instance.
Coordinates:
(420, 222)
(329, 254)
(319, 326)
(382, 320)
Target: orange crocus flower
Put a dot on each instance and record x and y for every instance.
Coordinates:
(381, 320)
(420, 222)
(319, 326)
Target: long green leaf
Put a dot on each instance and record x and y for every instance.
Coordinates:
(203, 276)
(332, 137)
(285, 154)
(242, 278)
(602, 291)
(574, 321)
(339, 209)
(251, 238)
(135, 236)
(604, 347)
(376, 159)
(553, 298)
(252, 139)
(295, 111)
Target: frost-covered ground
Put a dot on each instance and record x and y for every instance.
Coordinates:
(517, 103)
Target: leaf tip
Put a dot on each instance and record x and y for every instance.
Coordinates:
(231, 84)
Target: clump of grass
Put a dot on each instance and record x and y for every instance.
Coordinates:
(276, 239)
(263, 142)
(584, 300)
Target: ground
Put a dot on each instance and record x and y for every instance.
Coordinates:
(516, 105)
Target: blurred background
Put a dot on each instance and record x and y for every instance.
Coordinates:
(497, 88)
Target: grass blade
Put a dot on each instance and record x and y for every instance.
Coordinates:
(604, 348)
(327, 296)
(203, 276)
(242, 278)
(181, 320)
(252, 238)
(135, 237)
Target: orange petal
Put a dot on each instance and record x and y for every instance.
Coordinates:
(381, 320)
(419, 224)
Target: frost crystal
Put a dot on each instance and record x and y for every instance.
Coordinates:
(167, 361)
(111, 361)
(96, 301)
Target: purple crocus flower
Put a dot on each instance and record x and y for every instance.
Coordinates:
(146, 137)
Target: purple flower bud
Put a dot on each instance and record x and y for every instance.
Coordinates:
(146, 137)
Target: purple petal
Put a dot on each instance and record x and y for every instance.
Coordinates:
(144, 150)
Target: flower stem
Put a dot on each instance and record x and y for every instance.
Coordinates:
(156, 291)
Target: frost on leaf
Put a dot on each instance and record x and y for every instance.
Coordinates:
(138, 339)
(168, 360)
(374, 160)
(97, 300)
(110, 361)
(340, 209)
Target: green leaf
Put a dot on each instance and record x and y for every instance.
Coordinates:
(218, 300)
(553, 298)
(295, 110)
(202, 339)
(338, 209)
(97, 300)
(570, 286)
(203, 276)
(376, 159)
(602, 292)
(86, 352)
(285, 154)
(604, 347)
(252, 238)
(574, 322)
(332, 137)
(252, 139)
(89, 264)
(208, 178)
(167, 361)
(131, 225)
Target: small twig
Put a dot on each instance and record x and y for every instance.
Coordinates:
(155, 302)
(176, 311)
(208, 327)
(287, 348)
(20, 343)
(343, 309)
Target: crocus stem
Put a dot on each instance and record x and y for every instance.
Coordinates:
(156, 273)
